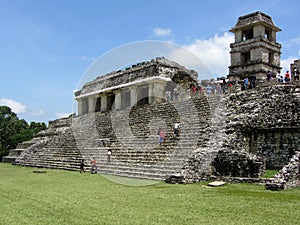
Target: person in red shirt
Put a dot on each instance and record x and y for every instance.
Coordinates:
(162, 136)
(94, 166)
(287, 76)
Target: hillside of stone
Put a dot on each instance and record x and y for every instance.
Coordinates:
(252, 131)
(267, 114)
(269, 106)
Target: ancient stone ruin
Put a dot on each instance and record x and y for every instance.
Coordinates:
(255, 50)
(233, 136)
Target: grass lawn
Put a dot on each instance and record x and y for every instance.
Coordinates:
(64, 197)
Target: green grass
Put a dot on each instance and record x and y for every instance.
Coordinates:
(63, 197)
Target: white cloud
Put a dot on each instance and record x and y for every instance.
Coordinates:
(62, 114)
(214, 52)
(162, 31)
(38, 113)
(15, 106)
(293, 41)
(286, 64)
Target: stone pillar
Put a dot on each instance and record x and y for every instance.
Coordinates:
(151, 93)
(92, 104)
(238, 36)
(276, 60)
(103, 102)
(79, 101)
(118, 99)
(259, 31)
(159, 89)
(133, 96)
(273, 36)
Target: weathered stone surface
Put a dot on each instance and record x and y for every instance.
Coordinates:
(288, 177)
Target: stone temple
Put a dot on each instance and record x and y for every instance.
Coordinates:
(233, 136)
(144, 83)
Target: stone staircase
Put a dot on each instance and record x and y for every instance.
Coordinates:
(131, 135)
(53, 148)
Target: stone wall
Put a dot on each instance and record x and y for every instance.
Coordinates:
(288, 177)
(276, 145)
(260, 130)
(237, 164)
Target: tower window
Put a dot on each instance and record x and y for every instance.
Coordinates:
(247, 34)
(245, 57)
(268, 35)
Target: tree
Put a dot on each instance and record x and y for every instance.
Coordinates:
(37, 127)
(14, 131)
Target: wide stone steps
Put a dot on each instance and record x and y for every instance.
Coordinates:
(131, 135)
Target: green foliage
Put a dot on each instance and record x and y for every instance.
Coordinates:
(14, 131)
(64, 197)
(37, 127)
(270, 173)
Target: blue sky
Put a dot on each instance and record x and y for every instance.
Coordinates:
(46, 46)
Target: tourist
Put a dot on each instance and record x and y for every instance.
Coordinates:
(246, 82)
(94, 166)
(208, 90)
(213, 89)
(269, 75)
(82, 166)
(194, 90)
(158, 133)
(162, 137)
(168, 93)
(176, 94)
(287, 76)
(108, 155)
(176, 129)
(218, 89)
(252, 81)
(230, 87)
(279, 78)
(296, 77)
(224, 84)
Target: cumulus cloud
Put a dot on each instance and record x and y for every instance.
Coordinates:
(15, 106)
(162, 31)
(62, 114)
(213, 52)
(286, 64)
(38, 113)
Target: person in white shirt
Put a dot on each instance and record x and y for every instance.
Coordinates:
(176, 129)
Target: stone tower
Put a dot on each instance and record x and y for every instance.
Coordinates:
(255, 50)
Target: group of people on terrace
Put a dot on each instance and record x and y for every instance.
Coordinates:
(286, 78)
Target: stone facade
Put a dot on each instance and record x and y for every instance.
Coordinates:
(255, 50)
(143, 83)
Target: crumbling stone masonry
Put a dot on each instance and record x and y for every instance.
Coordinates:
(288, 177)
